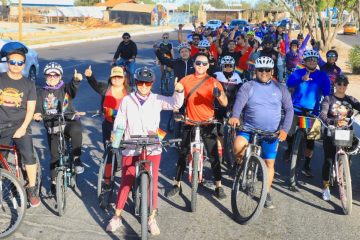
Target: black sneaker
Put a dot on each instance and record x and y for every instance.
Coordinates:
(174, 191)
(268, 202)
(307, 172)
(79, 166)
(33, 196)
(219, 193)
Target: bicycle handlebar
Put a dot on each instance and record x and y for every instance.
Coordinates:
(182, 118)
(256, 130)
(328, 126)
(148, 140)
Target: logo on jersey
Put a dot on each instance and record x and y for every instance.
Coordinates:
(11, 97)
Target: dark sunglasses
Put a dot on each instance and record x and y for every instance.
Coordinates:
(264, 69)
(165, 37)
(52, 76)
(198, 63)
(202, 49)
(196, 39)
(228, 66)
(342, 84)
(13, 63)
(331, 55)
(125, 38)
(147, 84)
(313, 59)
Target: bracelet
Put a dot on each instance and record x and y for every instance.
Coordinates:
(179, 91)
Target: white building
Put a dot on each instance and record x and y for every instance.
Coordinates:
(43, 3)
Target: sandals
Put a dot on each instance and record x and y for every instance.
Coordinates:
(153, 227)
(114, 224)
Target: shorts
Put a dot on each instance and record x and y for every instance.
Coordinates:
(269, 146)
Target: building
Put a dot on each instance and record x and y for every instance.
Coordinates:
(43, 3)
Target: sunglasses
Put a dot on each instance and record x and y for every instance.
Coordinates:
(55, 76)
(196, 39)
(342, 84)
(198, 63)
(311, 59)
(202, 49)
(125, 38)
(264, 69)
(140, 83)
(165, 37)
(13, 63)
(331, 56)
(228, 66)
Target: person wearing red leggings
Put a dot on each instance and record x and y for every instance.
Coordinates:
(140, 112)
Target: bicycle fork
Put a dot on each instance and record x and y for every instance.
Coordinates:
(196, 146)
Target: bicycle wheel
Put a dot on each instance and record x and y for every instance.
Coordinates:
(194, 180)
(249, 190)
(12, 203)
(39, 171)
(228, 147)
(101, 176)
(295, 156)
(60, 193)
(345, 189)
(144, 205)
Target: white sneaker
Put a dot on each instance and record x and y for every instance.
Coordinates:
(326, 194)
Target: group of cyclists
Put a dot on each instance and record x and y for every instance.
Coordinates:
(260, 79)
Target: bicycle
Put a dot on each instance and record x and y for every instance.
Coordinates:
(229, 136)
(250, 175)
(166, 77)
(340, 169)
(196, 156)
(12, 203)
(143, 178)
(65, 169)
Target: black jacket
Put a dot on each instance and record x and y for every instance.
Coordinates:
(99, 87)
(126, 51)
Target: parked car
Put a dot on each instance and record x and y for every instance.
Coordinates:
(238, 22)
(31, 69)
(213, 24)
(350, 28)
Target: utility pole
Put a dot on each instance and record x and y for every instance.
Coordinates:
(20, 20)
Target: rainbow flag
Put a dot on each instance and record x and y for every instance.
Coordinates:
(161, 134)
(110, 112)
(305, 122)
(66, 102)
(251, 63)
(238, 70)
(299, 66)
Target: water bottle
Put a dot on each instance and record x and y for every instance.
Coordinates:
(119, 132)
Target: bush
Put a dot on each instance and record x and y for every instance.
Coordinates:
(354, 59)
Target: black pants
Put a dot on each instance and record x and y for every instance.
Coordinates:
(107, 127)
(310, 144)
(209, 136)
(23, 144)
(73, 130)
(329, 154)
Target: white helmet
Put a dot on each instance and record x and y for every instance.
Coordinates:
(264, 62)
(184, 45)
(310, 53)
(53, 67)
(258, 39)
(227, 60)
(204, 44)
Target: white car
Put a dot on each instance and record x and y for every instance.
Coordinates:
(31, 70)
(213, 24)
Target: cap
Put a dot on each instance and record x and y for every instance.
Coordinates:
(342, 79)
(300, 36)
(117, 72)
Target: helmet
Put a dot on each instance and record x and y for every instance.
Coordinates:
(204, 44)
(250, 33)
(264, 62)
(355, 147)
(227, 60)
(144, 74)
(258, 39)
(294, 42)
(53, 67)
(332, 51)
(184, 45)
(267, 39)
(310, 53)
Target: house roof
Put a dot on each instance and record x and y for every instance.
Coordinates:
(134, 7)
(113, 3)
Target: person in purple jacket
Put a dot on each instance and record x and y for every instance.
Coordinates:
(260, 103)
(330, 67)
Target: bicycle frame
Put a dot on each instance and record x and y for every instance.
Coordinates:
(4, 162)
(196, 146)
(339, 151)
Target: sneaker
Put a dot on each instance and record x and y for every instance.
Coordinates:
(219, 193)
(326, 194)
(32, 195)
(79, 166)
(114, 224)
(53, 188)
(307, 172)
(174, 191)
(153, 227)
(268, 202)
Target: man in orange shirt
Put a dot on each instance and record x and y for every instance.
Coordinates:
(200, 107)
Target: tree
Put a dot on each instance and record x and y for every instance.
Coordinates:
(194, 8)
(309, 14)
(86, 2)
(219, 4)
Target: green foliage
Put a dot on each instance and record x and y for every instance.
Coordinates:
(219, 4)
(86, 2)
(354, 59)
(264, 5)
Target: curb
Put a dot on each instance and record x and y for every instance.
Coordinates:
(136, 33)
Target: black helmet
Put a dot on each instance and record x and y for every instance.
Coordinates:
(267, 39)
(342, 79)
(144, 74)
(295, 42)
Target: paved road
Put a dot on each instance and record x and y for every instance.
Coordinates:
(302, 215)
(349, 39)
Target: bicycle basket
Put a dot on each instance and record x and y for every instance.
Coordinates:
(343, 138)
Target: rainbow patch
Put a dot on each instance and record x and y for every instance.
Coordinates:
(110, 112)
(66, 102)
(299, 66)
(305, 122)
(161, 134)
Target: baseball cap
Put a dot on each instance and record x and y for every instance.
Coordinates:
(117, 72)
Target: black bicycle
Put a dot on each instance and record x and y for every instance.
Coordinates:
(249, 189)
(166, 77)
(143, 186)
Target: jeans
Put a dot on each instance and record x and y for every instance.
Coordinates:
(130, 65)
(281, 69)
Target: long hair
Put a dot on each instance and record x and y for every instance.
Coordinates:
(126, 81)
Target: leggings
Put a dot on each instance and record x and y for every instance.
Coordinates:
(128, 178)
(329, 154)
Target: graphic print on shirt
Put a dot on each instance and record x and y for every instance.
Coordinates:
(11, 97)
(51, 103)
(341, 109)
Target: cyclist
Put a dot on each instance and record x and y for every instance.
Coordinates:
(204, 48)
(17, 106)
(261, 102)
(330, 67)
(141, 110)
(112, 94)
(293, 57)
(55, 97)
(309, 85)
(269, 51)
(127, 51)
(200, 107)
(336, 108)
(166, 48)
(196, 37)
(231, 82)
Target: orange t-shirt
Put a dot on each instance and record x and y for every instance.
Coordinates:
(194, 50)
(200, 105)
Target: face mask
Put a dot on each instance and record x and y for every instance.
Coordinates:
(228, 75)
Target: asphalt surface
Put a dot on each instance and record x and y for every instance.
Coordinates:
(349, 39)
(302, 215)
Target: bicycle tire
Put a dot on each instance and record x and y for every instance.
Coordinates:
(295, 155)
(345, 188)
(241, 216)
(194, 180)
(144, 205)
(17, 193)
(38, 173)
(100, 178)
(60, 193)
(228, 147)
